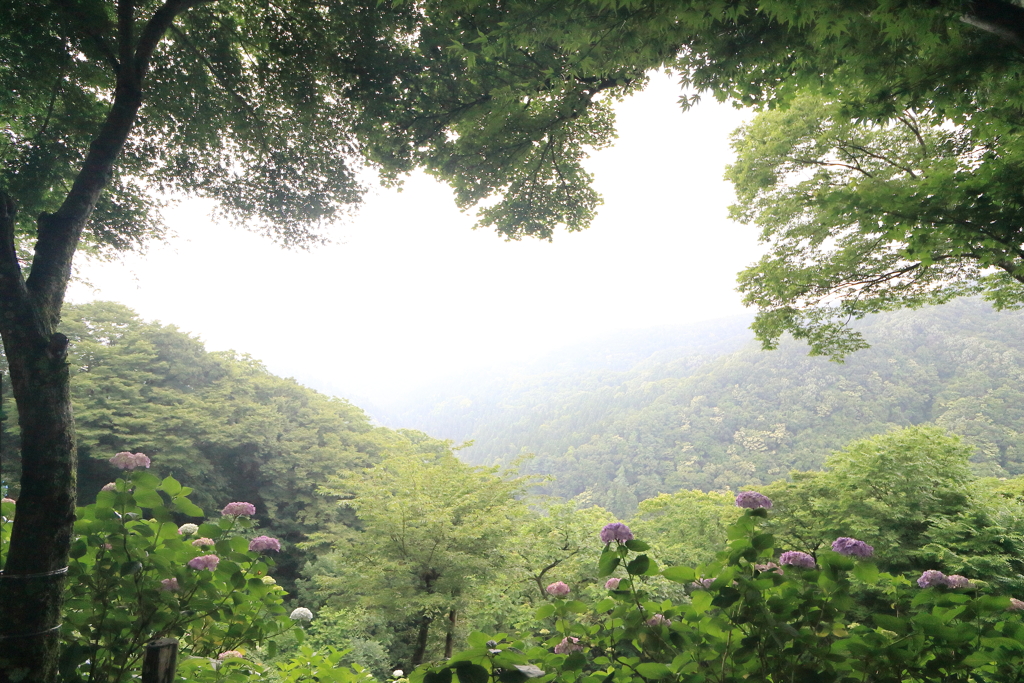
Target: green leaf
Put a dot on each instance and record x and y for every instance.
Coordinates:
(171, 486)
(607, 564)
(442, 676)
(471, 673)
(891, 623)
(637, 546)
(478, 639)
(680, 574)
(866, 572)
(639, 565)
(78, 549)
(148, 498)
(576, 606)
(187, 507)
(653, 670)
(763, 541)
(545, 611)
(701, 601)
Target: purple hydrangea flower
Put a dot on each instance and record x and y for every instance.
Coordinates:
(238, 509)
(127, 460)
(616, 531)
(262, 543)
(852, 547)
(612, 584)
(558, 589)
(795, 558)
(932, 578)
(204, 562)
(769, 567)
(753, 500)
(568, 646)
(170, 585)
(659, 620)
(957, 581)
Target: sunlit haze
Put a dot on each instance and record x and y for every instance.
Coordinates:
(408, 292)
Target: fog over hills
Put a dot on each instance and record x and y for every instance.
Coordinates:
(632, 415)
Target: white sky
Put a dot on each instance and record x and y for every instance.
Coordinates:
(408, 292)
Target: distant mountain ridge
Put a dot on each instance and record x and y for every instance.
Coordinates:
(708, 409)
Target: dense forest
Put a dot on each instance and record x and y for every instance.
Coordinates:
(725, 414)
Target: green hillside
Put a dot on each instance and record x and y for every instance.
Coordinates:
(750, 416)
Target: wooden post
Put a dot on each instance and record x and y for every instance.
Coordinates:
(160, 661)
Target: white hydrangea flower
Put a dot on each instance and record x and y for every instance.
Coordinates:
(188, 528)
(301, 614)
(397, 673)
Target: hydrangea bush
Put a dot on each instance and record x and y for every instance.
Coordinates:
(135, 574)
(757, 614)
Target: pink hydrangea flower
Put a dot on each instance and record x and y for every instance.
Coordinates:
(263, 543)
(558, 589)
(957, 581)
(230, 653)
(852, 547)
(795, 558)
(616, 531)
(568, 646)
(753, 500)
(109, 487)
(1015, 605)
(239, 509)
(659, 620)
(127, 460)
(170, 585)
(612, 584)
(107, 546)
(931, 578)
(7, 500)
(204, 562)
(203, 542)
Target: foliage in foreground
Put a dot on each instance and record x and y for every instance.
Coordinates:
(755, 615)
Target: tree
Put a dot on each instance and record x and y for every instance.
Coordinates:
(861, 217)
(270, 109)
(430, 527)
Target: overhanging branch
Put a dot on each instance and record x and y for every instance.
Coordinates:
(998, 17)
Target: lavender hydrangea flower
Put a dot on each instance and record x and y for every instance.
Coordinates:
(769, 567)
(702, 584)
(188, 528)
(204, 562)
(612, 584)
(1015, 605)
(170, 585)
(301, 614)
(558, 589)
(659, 620)
(932, 578)
(795, 558)
(845, 545)
(957, 581)
(753, 500)
(263, 543)
(616, 531)
(239, 509)
(203, 542)
(127, 460)
(230, 653)
(109, 487)
(568, 646)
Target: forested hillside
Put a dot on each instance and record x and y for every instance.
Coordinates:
(217, 422)
(750, 416)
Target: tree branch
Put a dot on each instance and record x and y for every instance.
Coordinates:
(998, 17)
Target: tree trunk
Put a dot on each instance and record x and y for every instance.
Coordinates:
(449, 638)
(32, 584)
(421, 642)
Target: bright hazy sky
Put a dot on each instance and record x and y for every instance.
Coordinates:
(408, 292)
